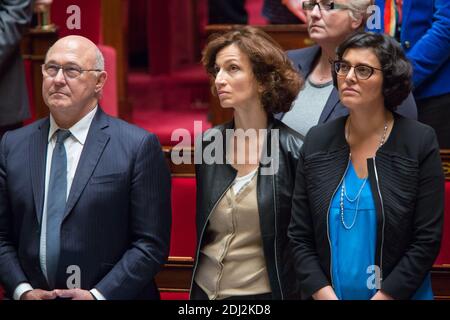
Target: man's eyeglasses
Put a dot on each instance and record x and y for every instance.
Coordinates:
(70, 72)
(324, 5)
(362, 72)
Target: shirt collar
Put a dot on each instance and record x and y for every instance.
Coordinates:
(79, 130)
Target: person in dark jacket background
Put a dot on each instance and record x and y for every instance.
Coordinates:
(425, 36)
(368, 204)
(244, 204)
(14, 19)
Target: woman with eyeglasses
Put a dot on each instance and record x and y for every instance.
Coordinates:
(367, 209)
(329, 23)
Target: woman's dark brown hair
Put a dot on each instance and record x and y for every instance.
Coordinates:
(396, 68)
(271, 68)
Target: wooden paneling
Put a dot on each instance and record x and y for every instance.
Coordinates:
(114, 34)
(176, 277)
(180, 170)
(445, 156)
(440, 278)
(189, 169)
(34, 46)
(289, 36)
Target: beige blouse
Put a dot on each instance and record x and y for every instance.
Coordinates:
(232, 263)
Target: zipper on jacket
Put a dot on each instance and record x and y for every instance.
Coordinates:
(201, 237)
(276, 236)
(382, 213)
(328, 221)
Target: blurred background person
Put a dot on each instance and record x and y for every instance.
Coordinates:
(15, 16)
(275, 11)
(227, 12)
(368, 205)
(423, 29)
(242, 210)
(284, 11)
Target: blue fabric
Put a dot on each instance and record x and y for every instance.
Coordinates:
(353, 250)
(426, 27)
(56, 204)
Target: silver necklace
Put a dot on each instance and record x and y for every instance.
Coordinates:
(358, 195)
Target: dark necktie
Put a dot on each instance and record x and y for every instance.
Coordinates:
(56, 204)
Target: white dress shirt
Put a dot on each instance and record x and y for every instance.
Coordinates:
(74, 146)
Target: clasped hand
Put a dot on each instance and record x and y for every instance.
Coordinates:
(70, 294)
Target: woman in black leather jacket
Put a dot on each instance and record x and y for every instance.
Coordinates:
(246, 178)
(367, 209)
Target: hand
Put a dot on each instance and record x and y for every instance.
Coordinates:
(295, 6)
(74, 294)
(38, 294)
(380, 295)
(326, 293)
(41, 5)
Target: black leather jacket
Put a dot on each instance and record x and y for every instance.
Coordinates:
(274, 194)
(407, 183)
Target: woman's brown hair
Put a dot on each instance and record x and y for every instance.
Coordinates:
(271, 67)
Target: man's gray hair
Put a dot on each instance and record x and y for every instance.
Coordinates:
(99, 60)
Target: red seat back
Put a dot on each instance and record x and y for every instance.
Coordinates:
(109, 101)
(183, 238)
(444, 255)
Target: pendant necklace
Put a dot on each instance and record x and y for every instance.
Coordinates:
(358, 194)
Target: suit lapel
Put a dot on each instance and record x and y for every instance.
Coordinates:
(306, 63)
(331, 104)
(37, 160)
(95, 144)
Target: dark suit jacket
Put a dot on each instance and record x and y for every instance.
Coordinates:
(117, 222)
(14, 18)
(304, 59)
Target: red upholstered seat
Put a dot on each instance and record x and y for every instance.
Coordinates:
(174, 295)
(444, 255)
(109, 101)
(183, 238)
(164, 122)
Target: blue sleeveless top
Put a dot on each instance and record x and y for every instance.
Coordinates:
(353, 246)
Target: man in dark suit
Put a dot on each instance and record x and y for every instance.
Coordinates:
(15, 16)
(84, 198)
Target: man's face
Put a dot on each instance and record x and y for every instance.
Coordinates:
(68, 95)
